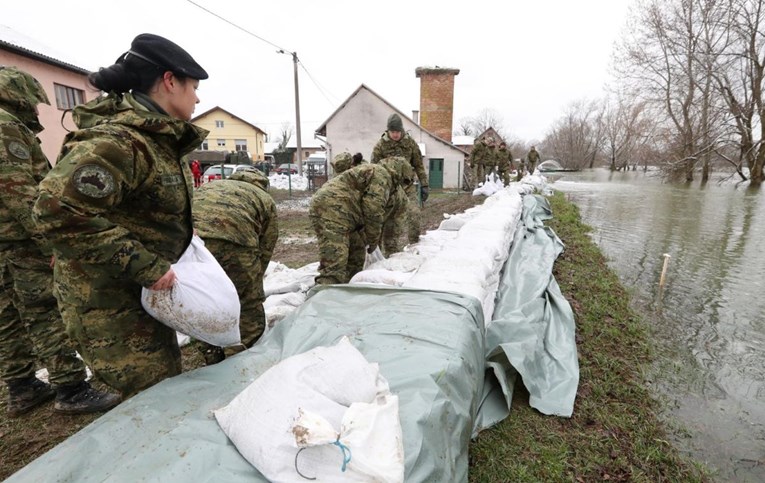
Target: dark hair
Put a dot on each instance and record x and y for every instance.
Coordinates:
(357, 159)
(128, 73)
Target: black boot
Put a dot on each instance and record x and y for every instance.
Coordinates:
(27, 393)
(81, 398)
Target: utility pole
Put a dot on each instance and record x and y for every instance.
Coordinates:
(297, 116)
(297, 110)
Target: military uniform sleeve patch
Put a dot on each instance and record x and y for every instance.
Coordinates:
(94, 181)
(18, 150)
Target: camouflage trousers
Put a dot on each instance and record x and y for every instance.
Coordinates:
(479, 174)
(393, 229)
(413, 213)
(31, 331)
(532, 166)
(244, 267)
(123, 345)
(341, 251)
(503, 170)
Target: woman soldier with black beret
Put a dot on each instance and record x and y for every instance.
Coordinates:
(117, 210)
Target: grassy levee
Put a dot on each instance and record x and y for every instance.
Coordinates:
(615, 433)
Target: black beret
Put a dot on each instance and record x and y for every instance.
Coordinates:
(166, 54)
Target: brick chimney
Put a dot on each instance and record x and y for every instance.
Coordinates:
(437, 99)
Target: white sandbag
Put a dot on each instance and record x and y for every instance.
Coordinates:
(281, 279)
(382, 277)
(453, 223)
(326, 383)
(374, 257)
(292, 299)
(203, 303)
(279, 306)
(400, 262)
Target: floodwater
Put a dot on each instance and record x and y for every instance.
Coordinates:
(709, 319)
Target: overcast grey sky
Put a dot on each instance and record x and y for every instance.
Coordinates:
(526, 60)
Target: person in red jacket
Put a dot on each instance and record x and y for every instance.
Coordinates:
(196, 170)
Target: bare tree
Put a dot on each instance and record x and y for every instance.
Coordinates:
(285, 133)
(741, 82)
(576, 137)
(465, 128)
(485, 119)
(660, 62)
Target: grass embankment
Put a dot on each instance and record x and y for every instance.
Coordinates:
(615, 433)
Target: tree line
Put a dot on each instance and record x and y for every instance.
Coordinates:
(687, 94)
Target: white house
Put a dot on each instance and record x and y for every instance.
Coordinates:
(358, 123)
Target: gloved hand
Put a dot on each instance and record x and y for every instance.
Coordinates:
(424, 193)
(371, 249)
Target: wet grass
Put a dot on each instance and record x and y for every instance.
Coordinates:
(615, 433)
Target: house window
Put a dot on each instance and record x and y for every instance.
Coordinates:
(67, 97)
(241, 144)
(221, 143)
(218, 123)
(205, 146)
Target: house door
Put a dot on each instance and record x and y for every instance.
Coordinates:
(436, 174)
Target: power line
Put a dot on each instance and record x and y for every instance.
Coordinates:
(323, 91)
(238, 27)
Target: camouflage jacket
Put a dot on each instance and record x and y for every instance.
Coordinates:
(238, 210)
(22, 166)
(480, 154)
(407, 148)
(533, 156)
(118, 202)
(356, 199)
(505, 159)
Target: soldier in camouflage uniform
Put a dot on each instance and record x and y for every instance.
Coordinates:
(236, 218)
(117, 209)
(395, 142)
(492, 158)
(348, 213)
(30, 324)
(504, 163)
(478, 157)
(532, 158)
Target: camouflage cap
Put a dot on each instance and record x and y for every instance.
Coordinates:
(342, 162)
(252, 176)
(166, 54)
(399, 169)
(20, 93)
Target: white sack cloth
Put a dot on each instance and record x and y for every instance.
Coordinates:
(337, 411)
(203, 303)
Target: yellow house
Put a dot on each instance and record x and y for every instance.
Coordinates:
(230, 133)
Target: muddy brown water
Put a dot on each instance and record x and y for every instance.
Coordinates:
(709, 319)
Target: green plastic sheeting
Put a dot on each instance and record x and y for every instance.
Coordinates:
(532, 333)
(430, 349)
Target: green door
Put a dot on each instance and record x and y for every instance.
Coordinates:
(436, 174)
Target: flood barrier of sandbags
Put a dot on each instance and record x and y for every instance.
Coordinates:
(431, 347)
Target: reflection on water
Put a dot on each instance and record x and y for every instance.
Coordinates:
(711, 318)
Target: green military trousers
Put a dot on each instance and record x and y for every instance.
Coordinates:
(243, 266)
(124, 346)
(341, 251)
(31, 331)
